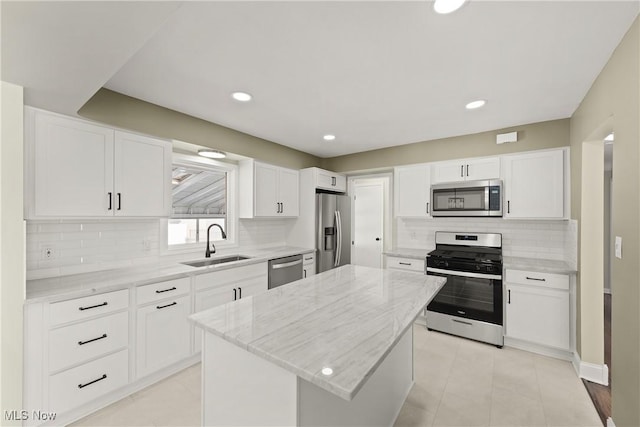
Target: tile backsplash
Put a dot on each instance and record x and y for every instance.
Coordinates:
(556, 240)
(79, 246)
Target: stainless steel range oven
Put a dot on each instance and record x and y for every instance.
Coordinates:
(470, 303)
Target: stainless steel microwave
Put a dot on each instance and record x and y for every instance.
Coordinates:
(469, 198)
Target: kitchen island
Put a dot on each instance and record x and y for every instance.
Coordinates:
(333, 349)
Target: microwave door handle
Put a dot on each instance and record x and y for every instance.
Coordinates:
(487, 190)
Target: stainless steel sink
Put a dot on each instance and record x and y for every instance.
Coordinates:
(214, 261)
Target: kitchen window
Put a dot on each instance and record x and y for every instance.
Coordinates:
(202, 194)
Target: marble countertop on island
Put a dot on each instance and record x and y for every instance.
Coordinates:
(347, 319)
(83, 284)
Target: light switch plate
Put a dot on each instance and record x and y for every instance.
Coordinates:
(618, 247)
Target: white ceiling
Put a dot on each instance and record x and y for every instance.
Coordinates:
(375, 74)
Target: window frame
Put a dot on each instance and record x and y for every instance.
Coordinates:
(231, 230)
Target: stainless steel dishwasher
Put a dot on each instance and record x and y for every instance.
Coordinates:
(284, 270)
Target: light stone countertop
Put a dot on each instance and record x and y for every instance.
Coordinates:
(347, 319)
(538, 265)
(408, 253)
(83, 284)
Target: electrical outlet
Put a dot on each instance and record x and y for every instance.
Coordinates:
(47, 252)
(618, 247)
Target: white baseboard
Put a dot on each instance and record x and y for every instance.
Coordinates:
(591, 371)
(610, 422)
(537, 348)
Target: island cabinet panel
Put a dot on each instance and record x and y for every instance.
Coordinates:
(163, 334)
(538, 308)
(465, 170)
(412, 191)
(268, 190)
(80, 169)
(534, 185)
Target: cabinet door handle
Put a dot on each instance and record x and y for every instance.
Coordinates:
(333, 181)
(166, 290)
(281, 207)
(119, 201)
(110, 197)
(508, 206)
(509, 296)
(404, 263)
(92, 340)
(239, 293)
(165, 306)
(461, 171)
(467, 170)
(235, 294)
(304, 275)
(103, 377)
(427, 207)
(535, 278)
(93, 306)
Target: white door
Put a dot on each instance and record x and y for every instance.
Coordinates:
(73, 168)
(266, 190)
(368, 208)
(142, 176)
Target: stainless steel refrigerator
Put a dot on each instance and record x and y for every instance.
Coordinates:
(333, 231)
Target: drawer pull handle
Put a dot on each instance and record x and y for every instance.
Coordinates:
(95, 339)
(103, 377)
(166, 290)
(404, 263)
(535, 278)
(93, 306)
(460, 321)
(308, 259)
(165, 306)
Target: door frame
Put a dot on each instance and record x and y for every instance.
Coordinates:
(386, 178)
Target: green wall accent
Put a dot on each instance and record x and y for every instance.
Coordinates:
(130, 113)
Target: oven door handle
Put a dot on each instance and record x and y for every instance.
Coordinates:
(464, 274)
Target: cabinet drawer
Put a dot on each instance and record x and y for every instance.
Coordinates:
(72, 388)
(83, 308)
(83, 341)
(232, 275)
(531, 278)
(405, 264)
(308, 259)
(161, 290)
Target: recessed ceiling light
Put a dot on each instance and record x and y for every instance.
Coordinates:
(329, 137)
(609, 138)
(447, 6)
(475, 104)
(241, 96)
(327, 371)
(212, 154)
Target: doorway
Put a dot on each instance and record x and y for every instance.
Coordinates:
(371, 215)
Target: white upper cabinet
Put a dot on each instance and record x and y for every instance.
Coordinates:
(267, 190)
(327, 180)
(534, 184)
(84, 170)
(465, 170)
(412, 191)
(142, 178)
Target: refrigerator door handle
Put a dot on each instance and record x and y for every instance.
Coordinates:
(338, 238)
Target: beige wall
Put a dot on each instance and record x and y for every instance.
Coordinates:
(530, 137)
(615, 96)
(129, 113)
(12, 249)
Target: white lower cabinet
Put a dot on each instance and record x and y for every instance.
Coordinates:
(538, 308)
(308, 265)
(163, 334)
(73, 387)
(221, 287)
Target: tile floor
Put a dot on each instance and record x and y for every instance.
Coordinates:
(457, 383)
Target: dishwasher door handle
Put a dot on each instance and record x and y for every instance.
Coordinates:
(286, 264)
